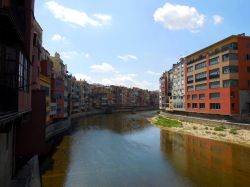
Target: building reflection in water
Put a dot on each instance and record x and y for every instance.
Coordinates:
(57, 165)
(207, 162)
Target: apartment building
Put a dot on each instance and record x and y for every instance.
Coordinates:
(59, 83)
(45, 84)
(76, 96)
(178, 88)
(218, 77)
(15, 66)
(172, 88)
(163, 90)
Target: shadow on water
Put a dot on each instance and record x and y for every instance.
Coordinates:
(207, 162)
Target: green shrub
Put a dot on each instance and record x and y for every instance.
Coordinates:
(219, 128)
(194, 127)
(167, 122)
(233, 131)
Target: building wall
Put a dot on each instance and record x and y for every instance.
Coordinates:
(6, 157)
(229, 99)
(45, 82)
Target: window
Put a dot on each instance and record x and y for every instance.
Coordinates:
(200, 65)
(230, 56)
(248, 82)
(202, 105)
(202, 96)
(214, 95)
(247, 56)
(230, 83)
(188, 105)
(231, 46)
(194, 97)
(23, 73)
(232, 94)
(46, 89)
(188, 97)
(201, 76)
(232, 106)
(248, 69)
(215, 73)
(215, 60)
(230, 69)
(215, 106)
(190, 88)
(194, 105)
(201, 86)
(190, 79)
(190, 69)
(215, 84)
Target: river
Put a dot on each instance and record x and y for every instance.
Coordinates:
(125, 150)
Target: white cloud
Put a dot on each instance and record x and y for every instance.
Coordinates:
(80, 76)
(217, 19)
(177, 17)
(152, 73)
(102, 68)
(58, 37)
(103, 18)
(127, 57)
(76, 17)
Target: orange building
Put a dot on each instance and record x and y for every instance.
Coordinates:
(218, 77)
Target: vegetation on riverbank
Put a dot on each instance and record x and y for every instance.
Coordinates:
(221, 133)
(167, 122)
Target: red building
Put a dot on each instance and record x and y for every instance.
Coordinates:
(16, 37)
(218, 78)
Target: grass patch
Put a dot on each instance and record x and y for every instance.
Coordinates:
(219, 128)
(233, 131)
(167, 122)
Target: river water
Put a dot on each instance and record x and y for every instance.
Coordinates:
(125, 150)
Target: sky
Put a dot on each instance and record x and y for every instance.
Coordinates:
(132, 42)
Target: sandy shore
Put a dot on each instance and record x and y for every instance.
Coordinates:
(242, 137)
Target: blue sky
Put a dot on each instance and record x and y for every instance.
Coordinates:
(131, 42)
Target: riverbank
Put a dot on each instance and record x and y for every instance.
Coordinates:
(218, 132)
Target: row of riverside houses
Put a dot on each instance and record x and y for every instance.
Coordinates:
(37, 92)
(214, 80)
(89, 97)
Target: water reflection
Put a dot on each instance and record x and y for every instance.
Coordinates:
(57, 165)
(125, 150)
(207, 162)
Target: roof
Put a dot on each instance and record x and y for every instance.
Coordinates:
(221, 41)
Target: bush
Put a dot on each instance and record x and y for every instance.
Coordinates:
(219, 128)
(167, 122)
(233, 131)
(194, 127)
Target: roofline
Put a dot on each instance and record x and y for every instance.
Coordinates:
(221, 41)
